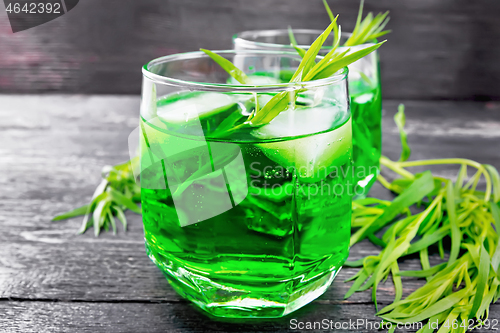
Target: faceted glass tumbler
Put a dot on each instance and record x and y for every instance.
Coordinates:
(246, 203)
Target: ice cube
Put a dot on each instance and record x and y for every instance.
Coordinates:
(188, 109)
(301, 121)
(364, 98)
(311, 156)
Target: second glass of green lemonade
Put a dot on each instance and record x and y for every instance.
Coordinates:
(364, 90)
(245, 221)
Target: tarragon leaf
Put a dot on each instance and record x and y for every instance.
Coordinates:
(495, 260)
(336, 33)
(428, 240)
(300, 51)
(418, 190)
(357, 263)
(88, 215)
(335, 65)
(124, 201)
(424, 273)
(121, 216)
(495, 179)
(293, 41)
(437, 308)
(369, 28)
(308, 61)
(400, 120)
(272, 108)
(329, 58)
(112, 221)
(461, 177)
(482, 280)
(398, 284)
(456, 235)
(229, 67)
(358, 20)
(98, 216)
(74, 213)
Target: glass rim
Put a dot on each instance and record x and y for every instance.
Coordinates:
(339, 76)
(240, 36)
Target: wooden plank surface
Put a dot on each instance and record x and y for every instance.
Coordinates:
(52, 149)
(438, 49)
(50, 317)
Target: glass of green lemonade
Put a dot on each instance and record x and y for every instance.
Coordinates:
(364, 91)
(245, 221)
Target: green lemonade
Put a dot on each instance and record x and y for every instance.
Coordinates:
(255, 224)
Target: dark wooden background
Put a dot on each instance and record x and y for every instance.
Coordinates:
(52, 280)
(439, 49)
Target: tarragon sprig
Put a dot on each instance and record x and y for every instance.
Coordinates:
(368, 29)
(117, 192)
(463, 286)
(307, 70)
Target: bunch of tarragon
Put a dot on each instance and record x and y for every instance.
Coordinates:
(461, 288)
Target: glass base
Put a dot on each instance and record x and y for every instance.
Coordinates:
(233, 298)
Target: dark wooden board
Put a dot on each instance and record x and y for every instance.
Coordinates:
(51, 317)
(438, 49)
(52, 150)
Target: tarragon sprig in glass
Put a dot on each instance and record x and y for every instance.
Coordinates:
(366, 30)
(307, 70)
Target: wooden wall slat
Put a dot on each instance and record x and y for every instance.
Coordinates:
(439, 49)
